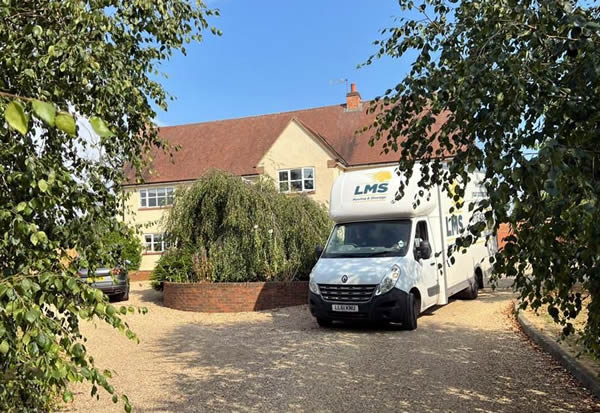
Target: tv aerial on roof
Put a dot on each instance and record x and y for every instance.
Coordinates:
(339, 82)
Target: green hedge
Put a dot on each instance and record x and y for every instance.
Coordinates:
(224, 229)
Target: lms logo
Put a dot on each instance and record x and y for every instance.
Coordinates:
(371, 189)
(380, 187)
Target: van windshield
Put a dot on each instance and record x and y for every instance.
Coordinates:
(369, 239)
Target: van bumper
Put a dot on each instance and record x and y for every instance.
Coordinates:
(390, 306)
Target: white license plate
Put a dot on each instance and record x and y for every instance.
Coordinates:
(346, 308)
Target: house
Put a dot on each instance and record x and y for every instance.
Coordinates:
(303, 151)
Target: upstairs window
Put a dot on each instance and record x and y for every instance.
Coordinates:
(154, 243)
(296, 180)
(156, 197)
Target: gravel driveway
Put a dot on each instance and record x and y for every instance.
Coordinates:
(465, 357)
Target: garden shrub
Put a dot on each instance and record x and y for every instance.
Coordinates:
(174, 265)
(241, 232)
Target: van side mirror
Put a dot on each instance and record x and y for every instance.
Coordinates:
(318, 251)
(424, 250)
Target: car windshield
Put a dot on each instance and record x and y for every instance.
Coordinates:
(369, 239)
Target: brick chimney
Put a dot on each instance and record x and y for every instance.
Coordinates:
(353, 99)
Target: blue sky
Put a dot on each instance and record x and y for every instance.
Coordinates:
(280, 55)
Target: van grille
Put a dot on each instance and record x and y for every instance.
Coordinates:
(347, 293)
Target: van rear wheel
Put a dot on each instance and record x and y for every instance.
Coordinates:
(472, 291)
(413, 308)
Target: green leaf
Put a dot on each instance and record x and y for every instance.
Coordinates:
(15, 116)
(66, 123)
(100, 127)
(37, 30)
(67, 396)
(41, 236)
(45, 111)
(43, 185)
(31, 316)
(4, 347)
(21, 206)
(34, 238)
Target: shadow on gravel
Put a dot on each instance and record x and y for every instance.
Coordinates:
(289, 364)
(148, 295)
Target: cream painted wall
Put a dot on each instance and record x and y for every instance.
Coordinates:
(148, 220)
(296, 148)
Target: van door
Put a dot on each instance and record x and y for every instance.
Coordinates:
(427, 265)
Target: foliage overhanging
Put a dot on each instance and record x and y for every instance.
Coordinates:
(515, 85)
(62, 61)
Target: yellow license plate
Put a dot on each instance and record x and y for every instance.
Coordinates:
(92, 280)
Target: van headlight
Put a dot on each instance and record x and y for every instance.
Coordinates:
(388, 281)
(313, 287)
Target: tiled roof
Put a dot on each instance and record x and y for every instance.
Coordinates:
(237, 145)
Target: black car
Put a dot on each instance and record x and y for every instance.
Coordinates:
(112, 282)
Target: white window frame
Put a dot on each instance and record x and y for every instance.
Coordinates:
(302, 179)
(251, 179)
(165, 193)
(154, 244)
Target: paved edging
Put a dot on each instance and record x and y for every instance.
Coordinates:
(582, 373)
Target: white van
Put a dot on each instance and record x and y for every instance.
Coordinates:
(385, 259)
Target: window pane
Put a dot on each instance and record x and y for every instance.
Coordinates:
(161, 201)
(284, 187)
(151, 193)
(308, 173)
(143, 202)
(161, 192)
(152, 202)
(283, 175)
(169, 190)
(170, 199)
(296, 174)
(157, 242)
(309, 184)
(296, 186)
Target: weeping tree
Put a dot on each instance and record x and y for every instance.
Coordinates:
(514, 88)
(225, 229)
(65, 64)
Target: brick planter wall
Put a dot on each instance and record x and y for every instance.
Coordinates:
(234, 297)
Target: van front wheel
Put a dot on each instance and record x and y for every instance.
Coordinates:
(413, 307)
(324, 322)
